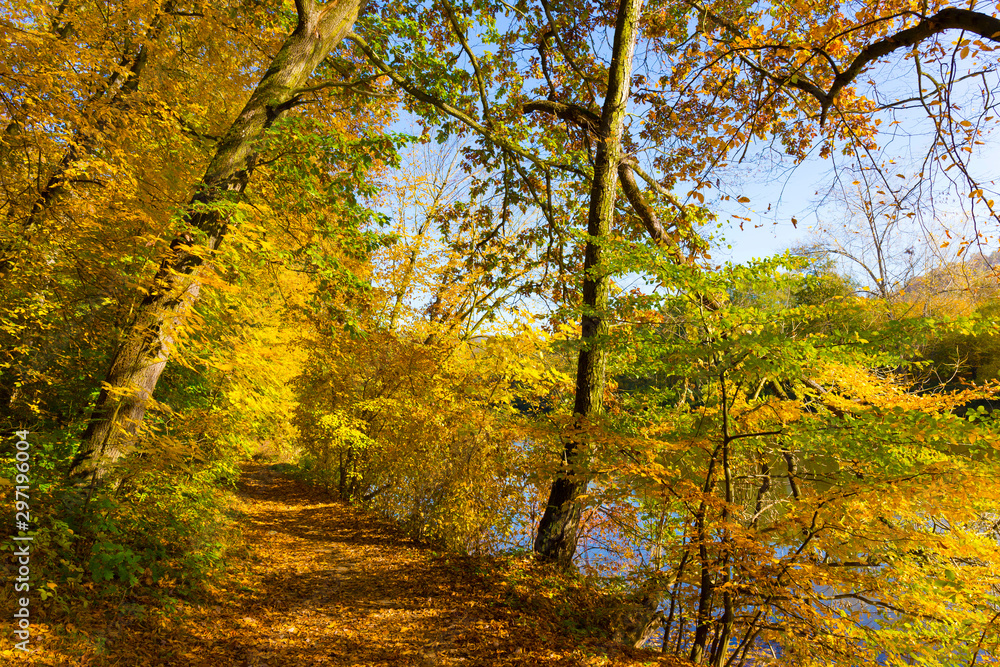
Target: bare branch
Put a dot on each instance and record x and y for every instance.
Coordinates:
(642, 208)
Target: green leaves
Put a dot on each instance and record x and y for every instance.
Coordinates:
(778, 434)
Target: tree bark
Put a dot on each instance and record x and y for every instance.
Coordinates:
(143, 354)
(706, 591)
(559, 526)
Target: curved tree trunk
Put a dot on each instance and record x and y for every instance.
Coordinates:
(557, 531)
(143, 354)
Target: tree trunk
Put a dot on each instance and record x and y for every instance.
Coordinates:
(143, 354)
(557, 531)
(706, 594)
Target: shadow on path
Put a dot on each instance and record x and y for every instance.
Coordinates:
(326, 584)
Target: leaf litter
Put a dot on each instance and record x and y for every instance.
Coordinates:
(323, 583)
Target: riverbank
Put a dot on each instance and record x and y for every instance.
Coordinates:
(322, 583)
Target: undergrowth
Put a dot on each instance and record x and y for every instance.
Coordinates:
(585, 606)
(161, 536)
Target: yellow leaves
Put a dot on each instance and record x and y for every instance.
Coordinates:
(220, 366)
(532, 374)
(568, 331)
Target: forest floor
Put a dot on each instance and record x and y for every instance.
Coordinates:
(325, 584)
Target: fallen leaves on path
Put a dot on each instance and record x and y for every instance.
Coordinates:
(326, 584)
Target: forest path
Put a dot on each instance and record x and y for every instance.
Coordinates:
(322, 583)
(334, 586)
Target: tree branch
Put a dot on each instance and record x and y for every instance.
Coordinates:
(427, 98)
(950, 18)
(353, 86)
(583, 118)
(305, 9)
(478, 73)
(642, 208)
(565, 53)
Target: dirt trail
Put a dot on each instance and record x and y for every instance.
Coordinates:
(336, 587)
(328, 585)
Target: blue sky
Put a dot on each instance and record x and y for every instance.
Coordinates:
(780, 193)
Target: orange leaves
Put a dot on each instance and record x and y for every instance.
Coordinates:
(781, 449)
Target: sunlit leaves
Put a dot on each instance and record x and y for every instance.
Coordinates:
(785, 448)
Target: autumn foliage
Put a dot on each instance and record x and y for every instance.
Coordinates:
(451, 263)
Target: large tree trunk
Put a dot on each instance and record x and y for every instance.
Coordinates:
(557, 531)
(143, 354)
